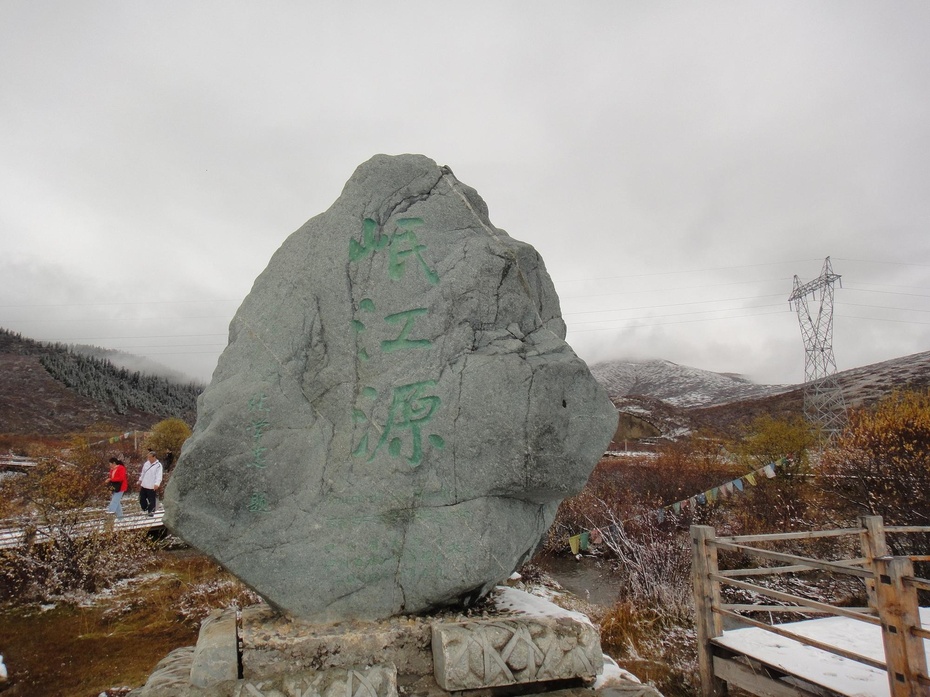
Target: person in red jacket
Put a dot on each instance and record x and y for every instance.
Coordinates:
(118, 483)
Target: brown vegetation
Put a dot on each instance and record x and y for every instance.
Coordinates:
(82, 648)
(880, 465)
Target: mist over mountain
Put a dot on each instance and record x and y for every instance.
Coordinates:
(134, 363)
(54, 389)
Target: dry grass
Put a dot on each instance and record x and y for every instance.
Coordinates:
(113, 639)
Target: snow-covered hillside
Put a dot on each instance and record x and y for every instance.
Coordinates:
(676, 384)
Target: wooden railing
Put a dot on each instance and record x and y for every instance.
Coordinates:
(890, 586)
(16, 533)
(15, 463)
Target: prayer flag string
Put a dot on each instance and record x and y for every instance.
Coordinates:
(580, 542)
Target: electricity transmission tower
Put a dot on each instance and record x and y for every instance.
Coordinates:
(823, 398)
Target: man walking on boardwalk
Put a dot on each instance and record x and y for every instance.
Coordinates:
(149, 481)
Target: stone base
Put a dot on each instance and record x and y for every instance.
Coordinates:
(522, 643)
(271, 642)
(541, 644)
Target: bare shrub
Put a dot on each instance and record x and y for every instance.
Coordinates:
(880, 464)
(627, 629)
(72, 565)
(621, 489)
(65, 551)
(657, 653)
(224, 591)
(653, 562)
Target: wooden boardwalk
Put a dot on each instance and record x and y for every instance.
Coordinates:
(15, 463)
(876, 651)
(830, 671)
(93, 521)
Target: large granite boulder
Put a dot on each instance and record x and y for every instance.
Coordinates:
(397, 414)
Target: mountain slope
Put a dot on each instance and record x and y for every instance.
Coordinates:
(32, 402)
(727, 406)
(871, 382)
(678, 385)
(55, 390)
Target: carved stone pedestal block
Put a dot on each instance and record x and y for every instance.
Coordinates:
(541, 646)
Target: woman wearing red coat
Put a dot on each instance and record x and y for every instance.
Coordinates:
(118, 483)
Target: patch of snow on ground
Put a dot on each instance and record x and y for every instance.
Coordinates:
(515, 600)
(635, 409)
(112, 591)
(613, 675)
(678, 433)
(3, 673)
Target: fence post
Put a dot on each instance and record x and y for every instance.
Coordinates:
(706, 596)
(899, 612)
(872, 543)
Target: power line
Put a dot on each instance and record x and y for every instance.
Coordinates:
(122, 319)
(127, 302)
(683, 321)
(890, 292)
(879, 261)
(694, 302)
(157, 346)
(884, 307)
(653, 290)
(669, 273)
(677, 314)
(121, 338)
(183, 353)
(883, 319)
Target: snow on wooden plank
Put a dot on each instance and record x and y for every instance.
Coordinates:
(818, 667)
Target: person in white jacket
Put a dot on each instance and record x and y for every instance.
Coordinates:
(149, 481)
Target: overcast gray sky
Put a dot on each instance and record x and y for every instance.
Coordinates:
(675, 163)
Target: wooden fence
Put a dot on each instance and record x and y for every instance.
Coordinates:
(890, 585)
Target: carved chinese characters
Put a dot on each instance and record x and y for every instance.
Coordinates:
(396, 416)
(386, 331)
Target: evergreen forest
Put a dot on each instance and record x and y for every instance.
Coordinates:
(98, 379)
